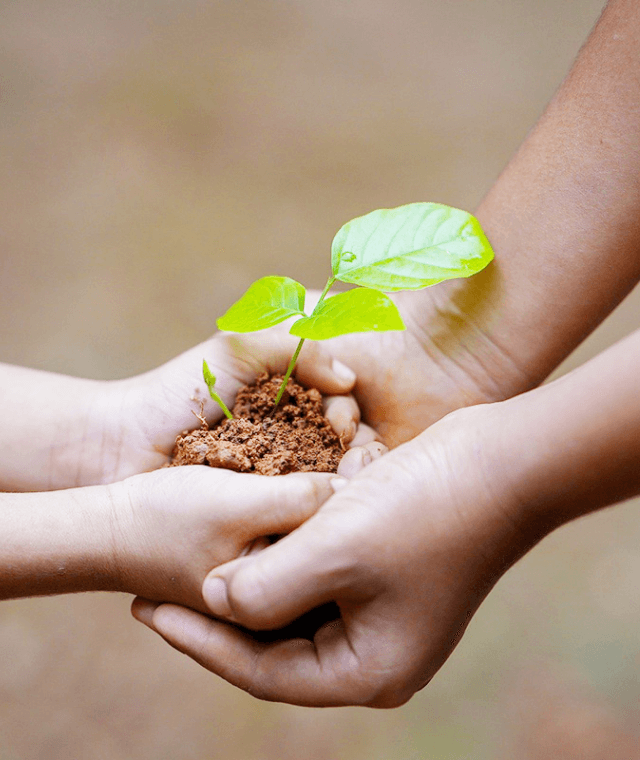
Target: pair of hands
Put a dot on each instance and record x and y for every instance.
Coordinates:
(406, 564)
(165, 529)
(158, 533)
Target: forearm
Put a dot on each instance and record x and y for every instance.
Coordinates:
(572, 446)
(563, 218)
(55, 543)
(54, 432)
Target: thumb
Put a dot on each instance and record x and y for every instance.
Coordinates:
(271, 588)
(317, 368)
(246, 356)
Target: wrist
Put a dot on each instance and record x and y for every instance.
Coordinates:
(56, 542)
(461, 324)
(498, 475)
(84, 449)
(462, 464)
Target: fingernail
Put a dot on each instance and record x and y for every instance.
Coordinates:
(343, 372)
(214, 593)
(338, 483)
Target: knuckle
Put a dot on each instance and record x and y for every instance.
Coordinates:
(308, 492)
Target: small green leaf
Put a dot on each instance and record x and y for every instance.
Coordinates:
(210, 380)
(267, 302)
(409, 247)
(358, 310)
(209, 377)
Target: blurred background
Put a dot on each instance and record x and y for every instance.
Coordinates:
(156, 157)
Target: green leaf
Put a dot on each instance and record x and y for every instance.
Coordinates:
(209, 377)
(358, 310)
(409, 247)
(267, 302)
(210, 380)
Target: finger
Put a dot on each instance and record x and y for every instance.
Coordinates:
(359, 457)
(256, 505)
(364, 434)
(244, 357)
(318, 369)
(323, 672)
(278, 505)
(302, 571)
(143, 609)
(343, 414)
(255, 546)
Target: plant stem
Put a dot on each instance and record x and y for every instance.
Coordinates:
(294, 358)
(223, 406)
(330, 282)
(290, 368)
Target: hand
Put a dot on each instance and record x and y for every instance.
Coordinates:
(408, 549)
(156, 534)
(443, 360)
(172, 526)
(135, 421)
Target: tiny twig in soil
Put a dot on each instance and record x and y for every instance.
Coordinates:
(201, 417)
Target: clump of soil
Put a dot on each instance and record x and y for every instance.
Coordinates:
(294, 437)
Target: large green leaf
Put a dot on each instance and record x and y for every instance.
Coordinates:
(358, 310)
(409, 247)
(267, 302)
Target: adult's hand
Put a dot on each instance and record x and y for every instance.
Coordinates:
(563, 219)
(409, 548)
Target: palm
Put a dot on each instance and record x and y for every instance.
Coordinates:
(408, 380)
(150, 410)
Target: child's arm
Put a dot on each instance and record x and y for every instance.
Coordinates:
(412, 545)
(156, 534)
(63, 432)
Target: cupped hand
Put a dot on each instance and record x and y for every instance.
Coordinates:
(443, 361)
(407, 550)
(144, 414)
(171, 526)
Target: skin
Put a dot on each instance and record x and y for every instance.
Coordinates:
(91, 432)
(406, 596)
(564, 221)
(484, 484)
(152, 533)
(156, 534)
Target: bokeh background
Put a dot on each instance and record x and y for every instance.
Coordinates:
(158, 155)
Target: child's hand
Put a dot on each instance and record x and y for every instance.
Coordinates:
(171, 527)
(92, 432)
(156, 534)
(155, 407)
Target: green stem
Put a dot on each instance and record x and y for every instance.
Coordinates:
(290, 368)
(294, 358)
(223, 406)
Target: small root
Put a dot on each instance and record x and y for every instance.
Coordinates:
(201, 417)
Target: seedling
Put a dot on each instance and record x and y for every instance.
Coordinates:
(210, 380)
(404, 248)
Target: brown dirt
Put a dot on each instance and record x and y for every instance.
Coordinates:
(295, 437)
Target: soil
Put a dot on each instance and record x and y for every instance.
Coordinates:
(294, 437)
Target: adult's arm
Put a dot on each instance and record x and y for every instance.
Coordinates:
(564, 220)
